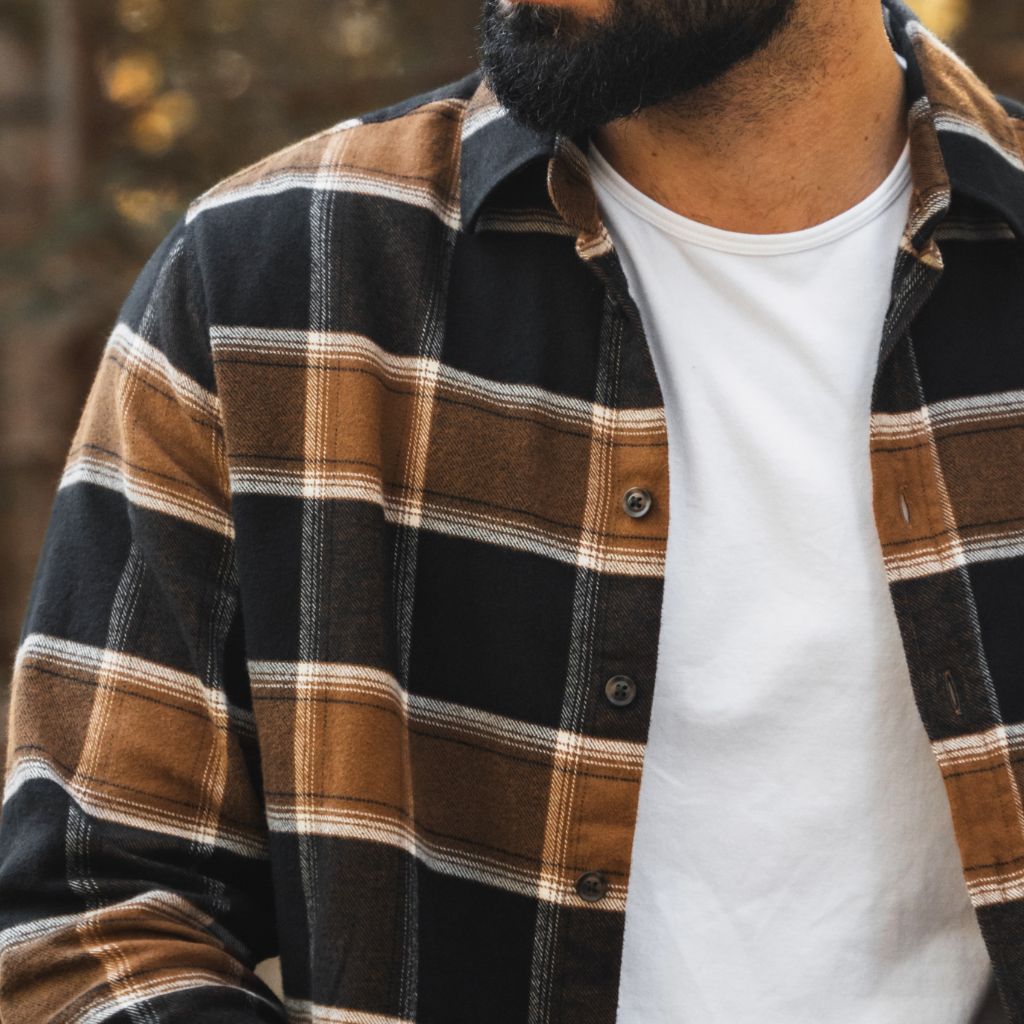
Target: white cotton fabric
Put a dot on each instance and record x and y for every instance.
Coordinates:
(794, 859)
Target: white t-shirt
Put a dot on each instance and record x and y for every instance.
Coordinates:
(794, 859)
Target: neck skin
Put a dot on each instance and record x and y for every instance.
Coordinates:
(792, 137)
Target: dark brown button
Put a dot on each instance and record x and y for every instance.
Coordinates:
(592, 886)
(620, 691)
(637, 502)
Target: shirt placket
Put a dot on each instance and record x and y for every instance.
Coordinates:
(622, 550)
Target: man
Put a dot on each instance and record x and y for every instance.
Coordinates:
(361, 636)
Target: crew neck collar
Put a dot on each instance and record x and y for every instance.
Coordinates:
(611, 185)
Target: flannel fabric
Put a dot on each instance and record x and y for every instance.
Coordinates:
(316, 654)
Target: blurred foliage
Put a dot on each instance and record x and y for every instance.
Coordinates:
(197, 88)
(175, 94)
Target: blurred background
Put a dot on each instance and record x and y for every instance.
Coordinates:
(114, 113)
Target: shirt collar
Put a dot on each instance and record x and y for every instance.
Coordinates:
(962, 141)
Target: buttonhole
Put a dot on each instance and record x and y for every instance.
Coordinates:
(951, 689)
(904, 507)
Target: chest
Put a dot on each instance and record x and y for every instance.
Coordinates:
(452, 528)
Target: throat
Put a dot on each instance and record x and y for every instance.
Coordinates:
(790, 139)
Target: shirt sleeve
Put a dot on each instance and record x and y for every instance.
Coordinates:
(134, 874)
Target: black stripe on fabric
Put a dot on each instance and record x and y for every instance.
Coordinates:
(129, 862)
(968, 331)
(355, 585)
(1002, 927)
(939, 636)
(895, 388)
(627, 644)
(30, 860)
(76, 581)
(205, 1002)
(998, 587)
(378, 288)
(590, 942)
(460, 89)
(475, 951)
(491, 627)
(637, 385)
(74, 584)
(977, 171)
(256, 257)
(165, 306)
(254, 260)
(523, 309)
(474, 940)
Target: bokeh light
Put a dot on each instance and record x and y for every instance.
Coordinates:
(156, 129)
(140, 15)
(232, 72)
(360, 28)
(145, 207)
(132, 78)
(944, 17)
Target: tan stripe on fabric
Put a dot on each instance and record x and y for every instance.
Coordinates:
(486, 471)
(135, 431)
(983, 780)
(979, 461)
(572, 194)
(603, 813)
(447, 763)
(962, 504)
(68, 970)
(930, 187)
(31, 725)
(639, 460)
(303, 157)
(410, 156)
(953, 87)
(486, 461)
(365, 767)
(132, 749)
(120, 952)
(916, 535)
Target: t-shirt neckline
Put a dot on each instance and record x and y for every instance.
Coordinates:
(614, 185)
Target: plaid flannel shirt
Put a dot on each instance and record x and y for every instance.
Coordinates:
(339, 566)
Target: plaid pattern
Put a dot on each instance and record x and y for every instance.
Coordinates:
(315, 656)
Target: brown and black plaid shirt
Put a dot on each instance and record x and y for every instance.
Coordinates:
(339, 568)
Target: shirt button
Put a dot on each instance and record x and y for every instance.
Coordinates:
(636, 501)
(620, 691)
(591, 886)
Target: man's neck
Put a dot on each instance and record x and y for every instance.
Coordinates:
(793, 137)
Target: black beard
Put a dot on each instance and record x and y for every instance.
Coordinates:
(557, 72)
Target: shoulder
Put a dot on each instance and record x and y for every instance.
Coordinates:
(411, 145)
(371, 187)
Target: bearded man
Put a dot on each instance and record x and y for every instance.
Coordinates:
(363, 636)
